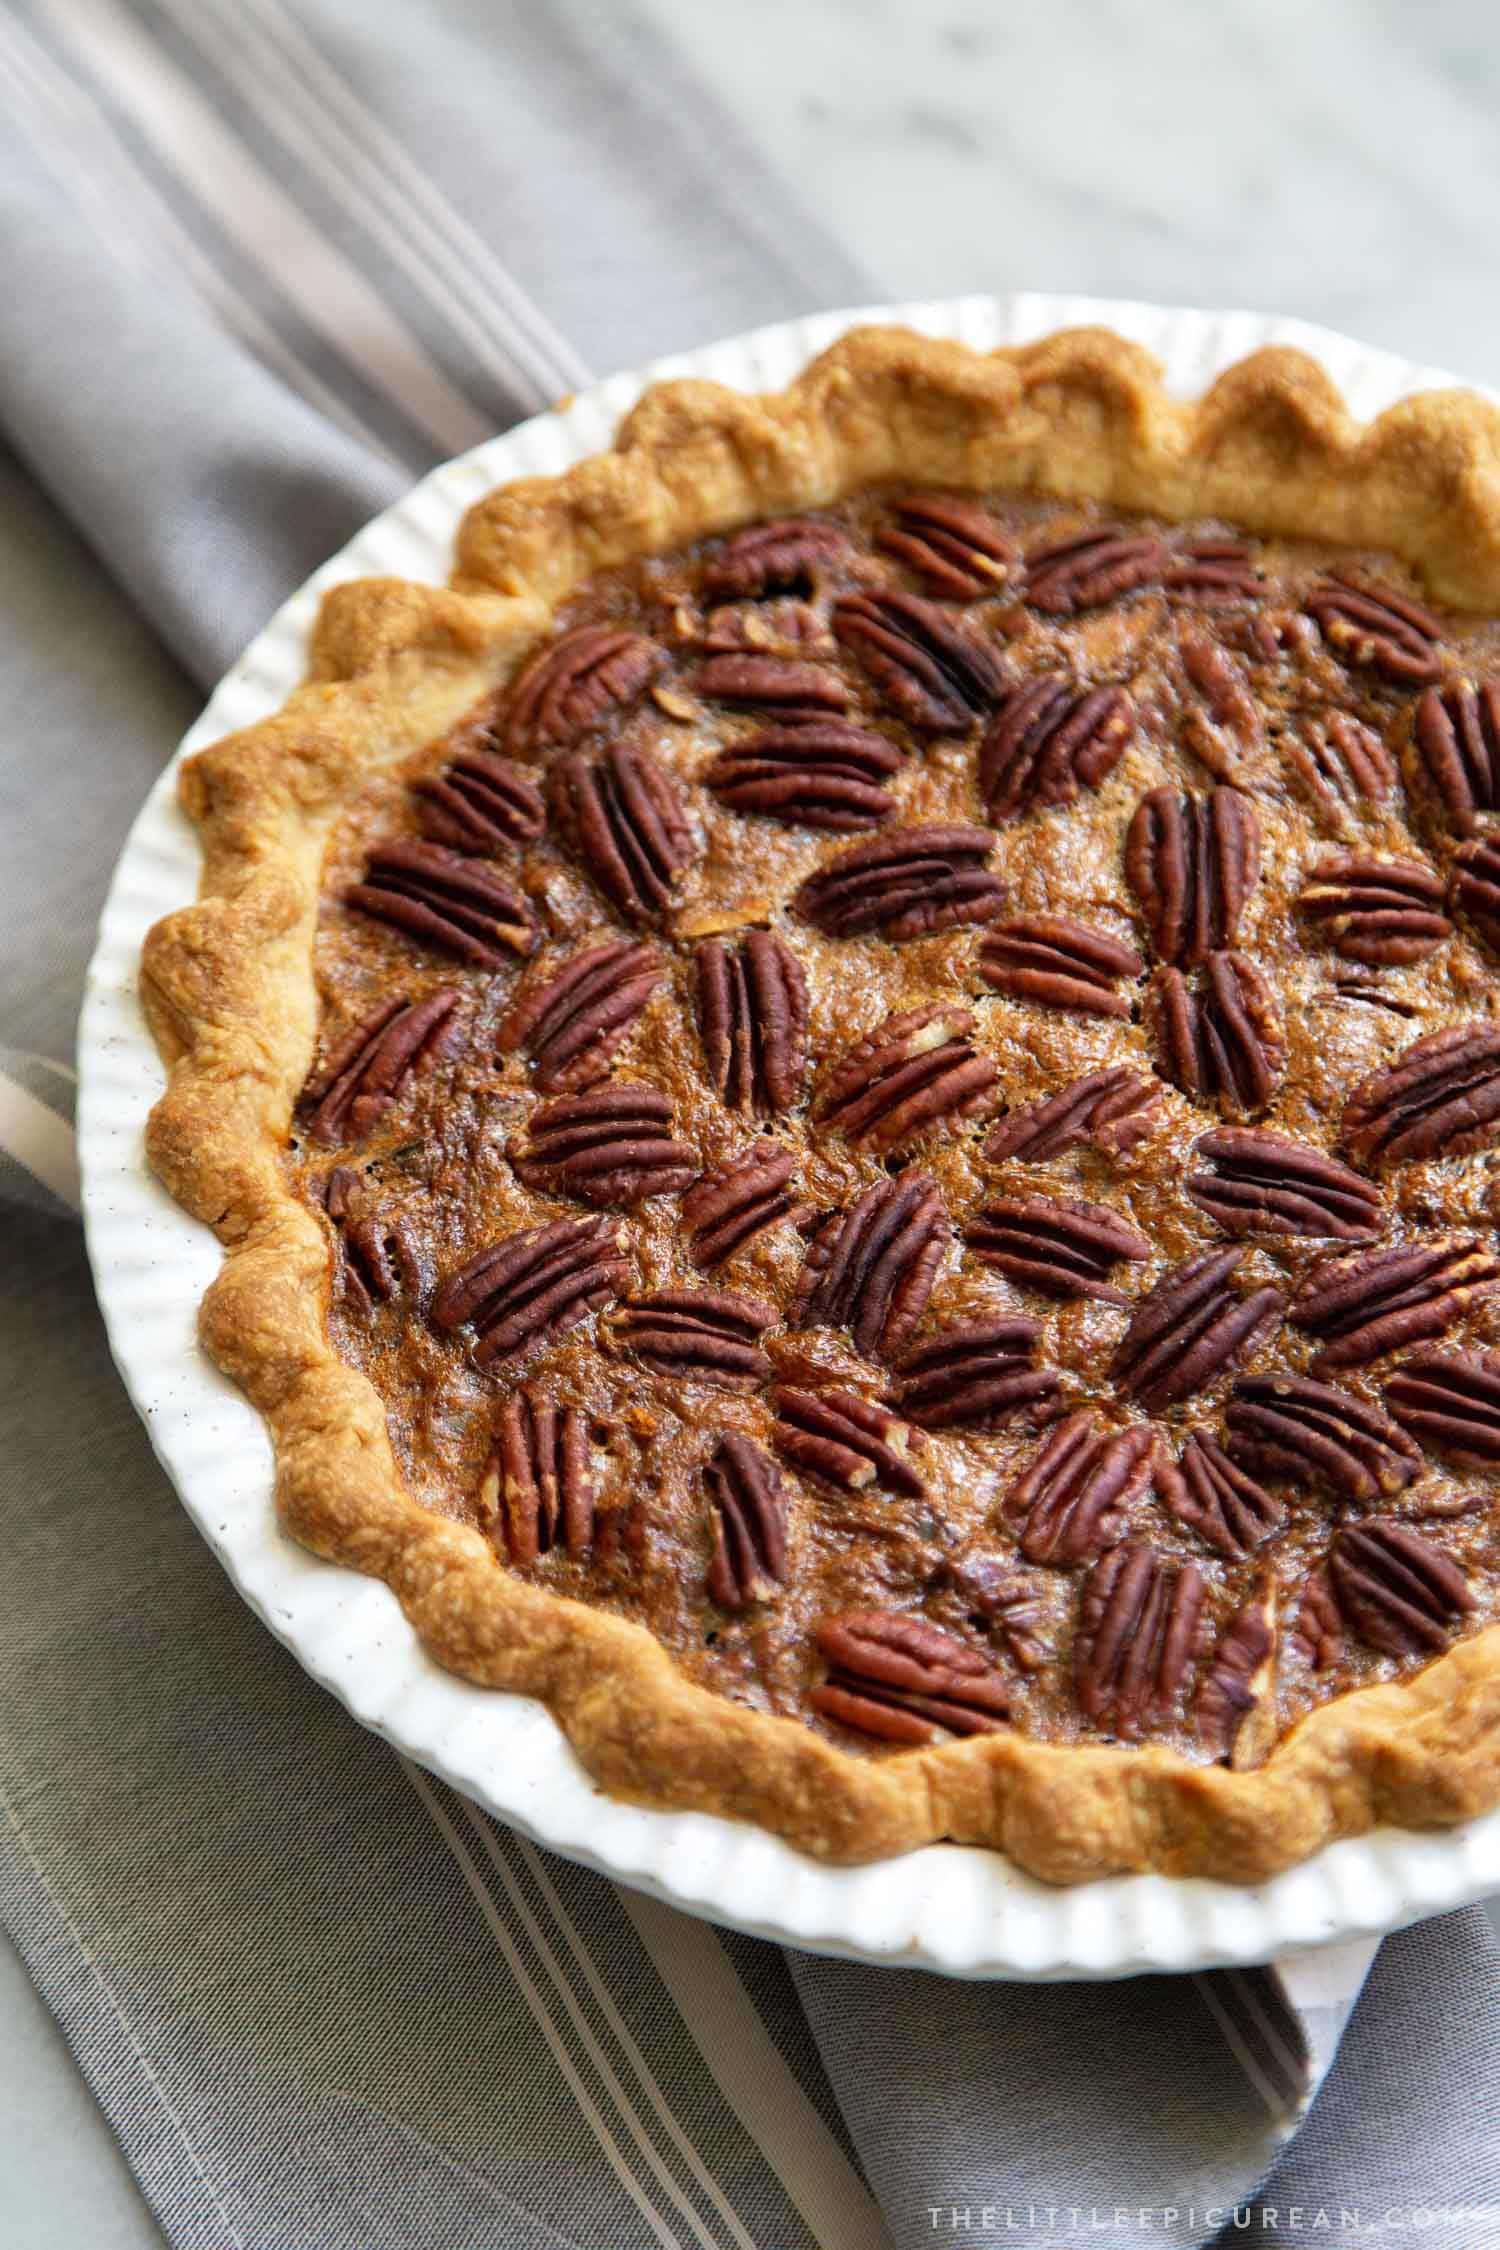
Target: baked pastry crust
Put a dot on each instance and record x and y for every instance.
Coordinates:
(229, 991)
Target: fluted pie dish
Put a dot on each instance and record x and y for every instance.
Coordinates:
(851, 1094)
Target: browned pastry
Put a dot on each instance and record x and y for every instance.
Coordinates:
(850, 1094)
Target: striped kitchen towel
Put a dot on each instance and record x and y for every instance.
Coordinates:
(266, 262)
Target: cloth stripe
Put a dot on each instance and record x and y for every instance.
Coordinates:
(39, 1141)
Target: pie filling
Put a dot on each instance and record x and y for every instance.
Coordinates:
(915, 1105)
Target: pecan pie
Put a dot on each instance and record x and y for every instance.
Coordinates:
(853, 1098)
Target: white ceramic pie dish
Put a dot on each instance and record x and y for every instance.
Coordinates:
(962, 1911)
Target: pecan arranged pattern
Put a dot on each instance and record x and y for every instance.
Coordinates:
(629, 825)
(444, 898)
(1056, 962)
(1139, 1627)
(368, 1071)
(1222, 717)
(377, 1258)
(900, 1679)
(907, 883)
(952, 543)
(1450, 1402)
(828, 776)
(752, 1018)
(1192, 862)
(1078, 1488)
(571, 1023)
(911, 1071)
(1063, 1249)
(1386, 912)
(1340, 767)
(1400, 1593)
(1112, 1109)
(927, 669)
(480, 802)
(1228, 1509)
(1456, 740)
(789, 556)
(1265, 1183)
(532, 1287)
(1048, 739)
(871, 1269)
(1092, 568)
(1474, 888)
(1189, 1329)
(538, 1490)
(784, 688)
(975, 1375)
(1312, 1435)
(730, 1207)
(709, 1335)
(1361, 1308)
(1440, 1098)
(1211, 571)
(577, 684)
(1236, 1684)
(845, 1440)
(749, 1523)
(1221, 1040)
(1378, 629)
(613, 1145)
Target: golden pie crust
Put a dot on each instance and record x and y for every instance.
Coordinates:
(228, 985)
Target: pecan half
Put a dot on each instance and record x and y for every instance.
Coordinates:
(1317, 1629)
(572, 1022)
(370, 1069)
(1382, 911)
(1265, 1183)
(576, 685)
(911, 1071)
(728, 1208)
(1339, 766)
(533, 1286)
(1077, 1490)
(1056, 962)
(1400, 1593)
(710, 1335)
(1220, 1041)
(480, 802)
(975, 1375)
(1189, 1329)
(816, 776)
(749, 1523)
(789, 556)
(1309, 1434)
(936, 675)
(538, 1489)
(1228, 1509)
(612, 1145)
(1192, 862)
(752, 1018)
(1379, 630)
(871, 1269)
(908, 883)
(1441, 1097)
(1474, 888)
(444, 899)
(845, 1440)
(1456, 737)
(377, 1257)
(1232, 1708)
(1060, 1248)
(953, 544)
(1049, 739)
(1219, 717)
(1139, 1625)
(783, 623)
(1361, 1308)
(1112, 1109)
(629, 825)
(900, 1679)
(1211, 571)
(1450, 1402)
(785, 688)
(1093, 567)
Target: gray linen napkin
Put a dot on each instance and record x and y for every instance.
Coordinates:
(265, 263)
